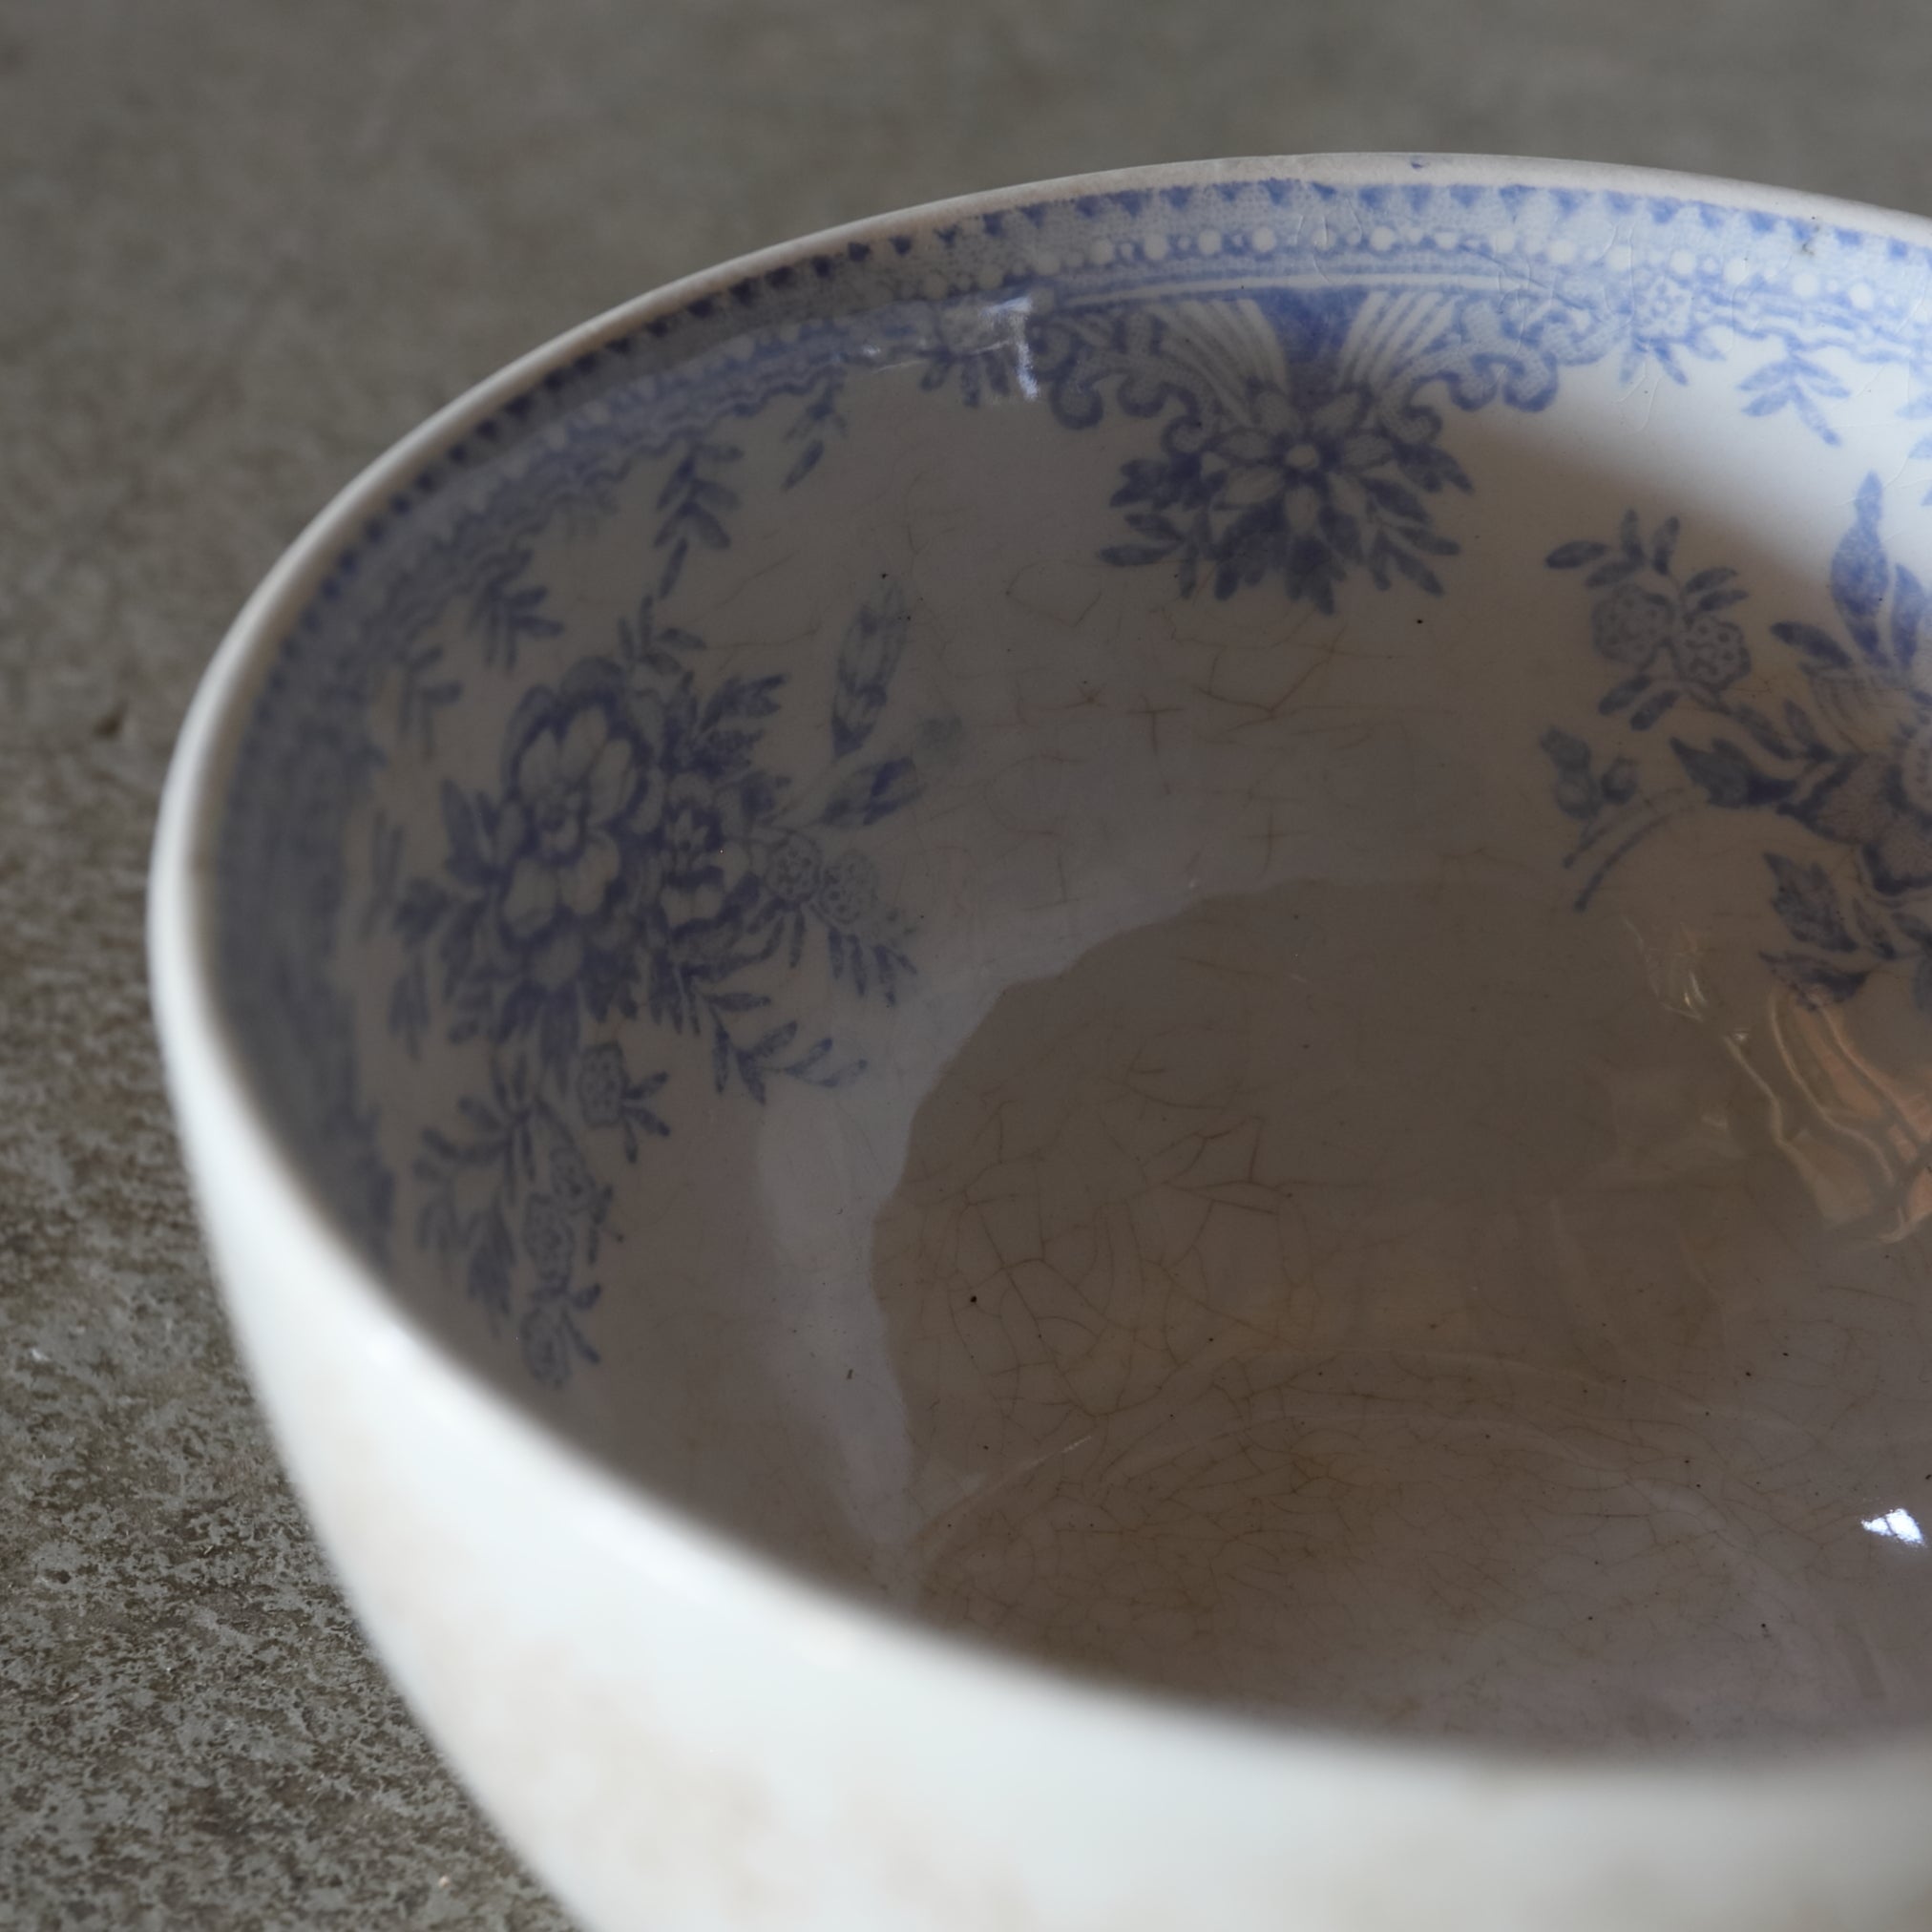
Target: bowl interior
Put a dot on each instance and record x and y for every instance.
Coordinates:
(1188, 925)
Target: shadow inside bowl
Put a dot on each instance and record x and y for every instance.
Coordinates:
(1387, 1304)
(1239, 1031)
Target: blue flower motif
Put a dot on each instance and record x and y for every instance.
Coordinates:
(1712, 653)
(1630, 625)
(581, 784)
(1306, 459)
(602, 1078)
(637, 861)
(634, 861)
(1305, 484)
(848, 891)
(572, 1182)
(702, 864)
(1880, 802)
(548, 1242)
(792, 868)
(1852, 766)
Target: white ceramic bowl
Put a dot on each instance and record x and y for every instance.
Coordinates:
(1066, 1065)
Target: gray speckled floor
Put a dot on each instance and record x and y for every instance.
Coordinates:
(240, 249)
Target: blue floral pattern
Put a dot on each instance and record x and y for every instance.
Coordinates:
(1851, 769)
(635, 854)
(1284, 357)
(1302, 486)
(1280, 457)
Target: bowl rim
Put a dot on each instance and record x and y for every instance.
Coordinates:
(203, 1058)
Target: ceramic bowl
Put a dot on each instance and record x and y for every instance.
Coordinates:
(1068, 1064)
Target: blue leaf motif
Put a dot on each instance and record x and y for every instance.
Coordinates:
(505, 610)
(1795, 383)
(694, 502)
(1709, 580)
(466, 854)
(872, 793)
(635, 850)
(1325, 485)
(868, 656)
(1565, 749)
(1808, 904)
(408, 1011)
(1727, 776)
(1852, 916)
(421, 911)
(1816, 982)
(1860, 574)
(1908, 614)
(1804, 728)
(1819, 646)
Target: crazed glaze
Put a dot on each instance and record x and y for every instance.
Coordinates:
(728, 765)
(1182, 925)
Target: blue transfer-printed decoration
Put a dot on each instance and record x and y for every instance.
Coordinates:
(1280, 457)
(506, 610)
(632, 850)
(1852, 769)
(634, 855)
(693, 504)
(866, 661)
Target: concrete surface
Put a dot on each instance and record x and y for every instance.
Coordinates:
(241, 248)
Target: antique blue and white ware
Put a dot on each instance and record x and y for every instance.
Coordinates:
(1180, 923)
